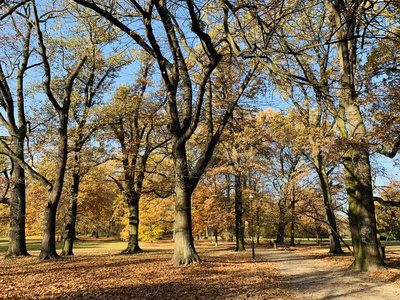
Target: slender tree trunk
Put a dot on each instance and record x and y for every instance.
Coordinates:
(133, 238)
(335, 246)
(17, 242)
(239, 228)
(70, 232)
(258, 225)
(292, 222)
(184, 250)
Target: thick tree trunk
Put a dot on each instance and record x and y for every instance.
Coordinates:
(368, 257)
(70, 232)
(49, 227)
(239, 228)
(282, 221)
(184, 250)
(17, 242)
(48, 250)
(352, 201)
(133, 237)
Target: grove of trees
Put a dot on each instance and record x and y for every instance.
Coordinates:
(199, 119)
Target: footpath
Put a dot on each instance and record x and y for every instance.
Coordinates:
(312, 279)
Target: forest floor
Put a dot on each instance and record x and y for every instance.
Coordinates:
(99, 271)
(312, 273)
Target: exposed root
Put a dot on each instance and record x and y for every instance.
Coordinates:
(132, 251)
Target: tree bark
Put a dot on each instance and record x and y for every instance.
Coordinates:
(282, 221)
(292, 219)
(48, 249)
(184, 250)
(239, 228)
(70, 232)
(133, 237)
(335, 246)
(17, 241)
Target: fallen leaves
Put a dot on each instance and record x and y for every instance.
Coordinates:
(223, 274)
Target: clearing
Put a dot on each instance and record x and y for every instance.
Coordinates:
(99, 271)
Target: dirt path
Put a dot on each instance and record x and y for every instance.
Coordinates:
(313, 279)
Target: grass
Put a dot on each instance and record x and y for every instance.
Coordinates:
(33, 243)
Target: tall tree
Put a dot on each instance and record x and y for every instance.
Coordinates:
(185, 78)
(92, 84)
(346, 18)
(136, 124)
(61, 103)
(59, 94)
(13, 115)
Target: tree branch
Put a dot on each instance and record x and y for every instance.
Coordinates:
(4, 149)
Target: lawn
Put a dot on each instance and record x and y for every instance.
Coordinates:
(99, 271)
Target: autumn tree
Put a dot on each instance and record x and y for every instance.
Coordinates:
(15, 55)
(92, 83)
(136, 122)
(58, 91)
(346, 22)
(239, 144)
(186, 85)
(98, 198)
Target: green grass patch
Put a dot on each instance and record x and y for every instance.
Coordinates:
(34, 244)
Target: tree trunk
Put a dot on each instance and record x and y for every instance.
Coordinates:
(17, 242)
(133, 238)
(345, 19)
(49, 227)
(368, 257)
(70, 232)
(334, 238)
(282, 221)
(239, 228)
(48, 250)
(184, 251)
(292, 222)
(258, 225)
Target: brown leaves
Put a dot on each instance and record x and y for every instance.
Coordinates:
(95, 274)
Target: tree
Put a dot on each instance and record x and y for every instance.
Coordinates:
(345, 18)
(136, 125)
(60, 98)
(99, 212)
(186, 86)
(92, 83)
(13, 117)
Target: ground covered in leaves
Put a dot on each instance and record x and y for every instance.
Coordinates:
(99, 271)
(320, 253)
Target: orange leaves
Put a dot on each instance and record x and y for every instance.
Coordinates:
(224, 274)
